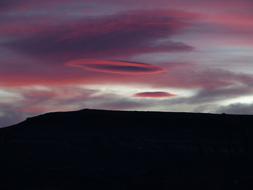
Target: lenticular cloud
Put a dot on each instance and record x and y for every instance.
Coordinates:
(117, 67)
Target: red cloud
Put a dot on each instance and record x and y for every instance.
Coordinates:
(154, 95)
(118, 67)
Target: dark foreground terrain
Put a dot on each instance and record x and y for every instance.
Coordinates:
(93, 149)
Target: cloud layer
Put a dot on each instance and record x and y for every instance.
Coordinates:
(178, 55)
(116, 35)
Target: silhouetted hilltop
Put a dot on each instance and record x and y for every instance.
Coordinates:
(96, 149)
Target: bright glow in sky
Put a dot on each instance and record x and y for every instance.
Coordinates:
(165, 55)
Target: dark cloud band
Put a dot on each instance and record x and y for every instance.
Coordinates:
(154, 95)
(119, 35)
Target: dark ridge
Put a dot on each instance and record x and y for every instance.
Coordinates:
(95, 149)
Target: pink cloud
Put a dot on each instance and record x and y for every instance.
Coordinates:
(117, 67)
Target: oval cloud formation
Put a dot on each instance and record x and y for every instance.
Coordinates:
(154, 95)
(117, 67)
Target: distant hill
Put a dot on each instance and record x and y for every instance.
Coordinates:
(96, 149)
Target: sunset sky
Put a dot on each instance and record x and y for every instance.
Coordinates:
(152, 55)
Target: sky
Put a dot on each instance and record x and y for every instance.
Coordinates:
(150, 55)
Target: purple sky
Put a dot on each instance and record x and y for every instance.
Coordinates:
(155, 55)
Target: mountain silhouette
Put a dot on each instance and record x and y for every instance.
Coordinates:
(95, 149)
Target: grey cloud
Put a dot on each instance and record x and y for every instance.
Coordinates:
(240, 108)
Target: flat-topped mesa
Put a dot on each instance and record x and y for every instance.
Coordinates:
(96, 144)
(162, 127)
